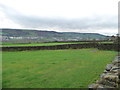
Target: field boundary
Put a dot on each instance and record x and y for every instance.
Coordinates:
(110, 77)
(105, 46)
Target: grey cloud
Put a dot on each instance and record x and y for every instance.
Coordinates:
(97, 22)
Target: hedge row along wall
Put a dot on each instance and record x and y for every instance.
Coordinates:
(104, 46)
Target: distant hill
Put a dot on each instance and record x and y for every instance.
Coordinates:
(42, 35)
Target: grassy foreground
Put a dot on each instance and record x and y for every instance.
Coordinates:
(54, 68)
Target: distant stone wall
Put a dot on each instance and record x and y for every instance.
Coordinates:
(104, 46)
(107, 46)
(110, 77)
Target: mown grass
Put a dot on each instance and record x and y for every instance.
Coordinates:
(54, 68)
(46, 44)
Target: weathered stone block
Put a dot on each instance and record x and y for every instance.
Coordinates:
(112, 78)
(109, 66)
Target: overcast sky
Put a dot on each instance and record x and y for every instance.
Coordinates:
(84, 16)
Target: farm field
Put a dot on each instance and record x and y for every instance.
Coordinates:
(72, 68)
(46, 44)
(34, 44)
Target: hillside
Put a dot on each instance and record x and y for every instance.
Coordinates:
(42, 35)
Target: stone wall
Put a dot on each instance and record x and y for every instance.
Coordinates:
(104, 46)
(110, 76)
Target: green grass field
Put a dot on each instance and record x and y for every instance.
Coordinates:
(45, 44)
(34, 44)
(54, 68)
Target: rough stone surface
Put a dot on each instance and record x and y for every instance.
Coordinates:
(110, 76)
(109, 66)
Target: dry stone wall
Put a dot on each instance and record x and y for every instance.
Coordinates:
(110, 76)
(104, 46)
